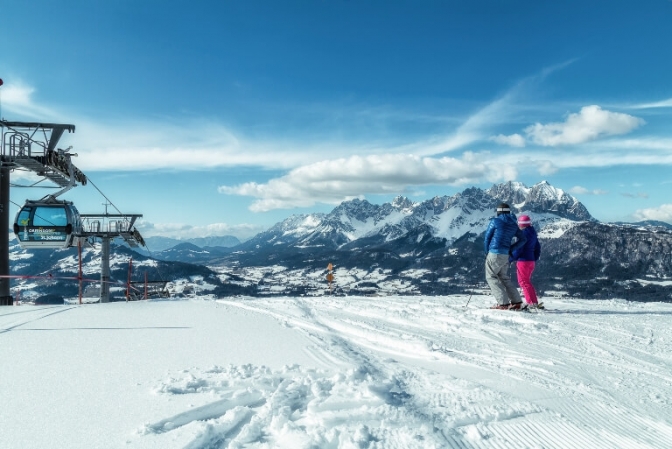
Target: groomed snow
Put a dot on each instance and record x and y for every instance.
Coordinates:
(336, 372)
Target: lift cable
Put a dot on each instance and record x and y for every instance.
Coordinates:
(105, 196)
(88, 243)
(88, 180)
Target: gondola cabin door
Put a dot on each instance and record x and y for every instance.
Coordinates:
(47, 225)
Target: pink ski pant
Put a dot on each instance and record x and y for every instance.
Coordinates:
(524, 269)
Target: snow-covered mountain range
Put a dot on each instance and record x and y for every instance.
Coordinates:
(447, 217)
(428, 247)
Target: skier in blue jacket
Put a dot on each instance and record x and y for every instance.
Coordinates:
(498, 245)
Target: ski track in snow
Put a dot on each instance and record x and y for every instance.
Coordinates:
(405, 372)
(16, 319)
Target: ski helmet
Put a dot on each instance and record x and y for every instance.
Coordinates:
(524, 220)
(503, 208)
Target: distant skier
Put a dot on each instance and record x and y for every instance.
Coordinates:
(525, 258)
(498, 246)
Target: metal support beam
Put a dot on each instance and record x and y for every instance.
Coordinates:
(105, 271)
(30, 144)
(5, 296)
(33, 146)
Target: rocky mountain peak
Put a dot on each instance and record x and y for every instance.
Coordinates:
(402, 203)
(511, 192)
(540, 198)
(355, 209)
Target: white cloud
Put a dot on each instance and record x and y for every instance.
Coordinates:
(578, 190)
(334, 181)
(591, 123)
(661, 213)
(514, 140)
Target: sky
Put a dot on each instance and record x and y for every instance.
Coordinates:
(224, 118)
(349, 372)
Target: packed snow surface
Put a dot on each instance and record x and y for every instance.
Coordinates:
(336, 372)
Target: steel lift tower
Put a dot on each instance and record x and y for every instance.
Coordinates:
(107, 227)
(32, 146)
(29, 146)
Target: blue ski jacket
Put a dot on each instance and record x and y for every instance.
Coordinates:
(531, 250)
(501, 230)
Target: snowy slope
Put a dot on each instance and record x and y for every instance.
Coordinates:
(339, 372)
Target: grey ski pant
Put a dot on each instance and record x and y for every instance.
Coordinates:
(497, 276)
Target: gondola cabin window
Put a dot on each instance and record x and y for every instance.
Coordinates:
(46, 225)
(50, 216)
(24, 217)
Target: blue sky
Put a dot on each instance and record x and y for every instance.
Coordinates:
(225, 117)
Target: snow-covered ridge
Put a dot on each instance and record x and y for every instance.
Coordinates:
(550, 227)
(448, 217)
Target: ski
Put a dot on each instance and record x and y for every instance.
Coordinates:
(525, 308)
(538, 306)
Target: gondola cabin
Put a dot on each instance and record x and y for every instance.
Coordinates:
(47, 224)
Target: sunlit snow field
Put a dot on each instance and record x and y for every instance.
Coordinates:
(336, 372)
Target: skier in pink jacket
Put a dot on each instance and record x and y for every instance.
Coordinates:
(525, 257)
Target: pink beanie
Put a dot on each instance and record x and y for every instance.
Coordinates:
(524, 220)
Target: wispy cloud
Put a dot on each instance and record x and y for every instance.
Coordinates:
(661, 213)
(545, 167)
(337, 180)
(402, 168)
(635, 195)
(184, 231)
(474, 127)
(17, 99)
(334, 169)
(578, 190)
(192, 144)
(654, 105)
(167, 143)
(655, 144)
